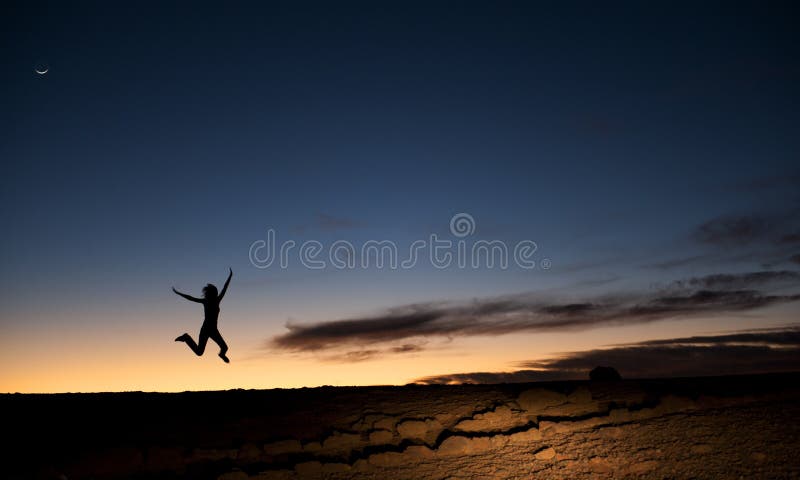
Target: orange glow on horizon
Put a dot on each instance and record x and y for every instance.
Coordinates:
(74, 360)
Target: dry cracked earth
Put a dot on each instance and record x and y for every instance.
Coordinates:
(721, 427)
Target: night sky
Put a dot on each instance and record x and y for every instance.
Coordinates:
(650, 150)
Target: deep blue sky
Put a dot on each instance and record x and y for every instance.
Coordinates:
(166, 138)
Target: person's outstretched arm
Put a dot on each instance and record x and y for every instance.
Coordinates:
(188, 297)
(225, 287)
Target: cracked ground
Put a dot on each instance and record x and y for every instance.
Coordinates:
(723, 427)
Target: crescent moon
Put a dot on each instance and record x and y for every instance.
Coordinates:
(42, 72)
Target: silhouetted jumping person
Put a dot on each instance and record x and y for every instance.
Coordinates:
(209, 329)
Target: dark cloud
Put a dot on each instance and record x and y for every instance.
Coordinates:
(767, 238)
(762, 351)
(594, 282)
(773, 336)
(795, 259)
(517, 376)
(741, 280)
(407, 348)
(733, 230)
(569, 309)
(497, 316)
(354, 356)
(395, 324)
(712, 301)
(678, 262)
(778, 227)
(790, 239)
(372, 353)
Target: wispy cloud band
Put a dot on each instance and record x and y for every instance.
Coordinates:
(760, 351)
(709, 295)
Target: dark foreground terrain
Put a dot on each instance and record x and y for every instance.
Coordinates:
(721, 427)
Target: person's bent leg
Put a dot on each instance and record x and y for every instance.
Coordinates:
(223, 347)
(200, 347)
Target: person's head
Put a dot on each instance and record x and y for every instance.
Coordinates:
(210, 292)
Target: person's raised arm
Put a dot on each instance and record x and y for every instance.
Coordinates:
(187, 297)
(227, 282)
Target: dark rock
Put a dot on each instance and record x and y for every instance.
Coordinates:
(604, 374)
